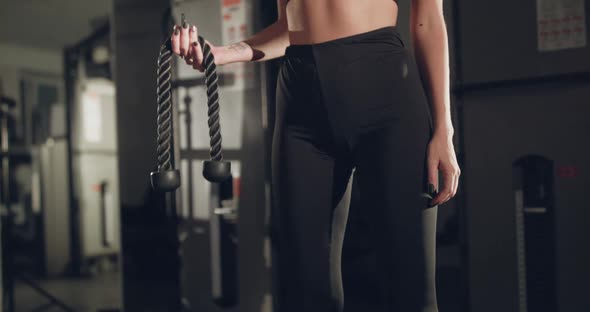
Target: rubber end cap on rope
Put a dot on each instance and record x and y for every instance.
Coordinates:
(216, 171)
(165, 181)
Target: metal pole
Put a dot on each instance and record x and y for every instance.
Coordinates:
(5, 199)
(5, 159)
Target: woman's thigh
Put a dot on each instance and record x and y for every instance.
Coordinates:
(391, 173)
(389, 131)
(308, 181)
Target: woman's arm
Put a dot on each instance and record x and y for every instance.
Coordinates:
(430, 44)
(267, 44)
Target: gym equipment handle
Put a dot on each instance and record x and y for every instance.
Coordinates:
(167, 179)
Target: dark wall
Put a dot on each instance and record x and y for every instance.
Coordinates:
(511, 106)
(502, 125)
(499, 42)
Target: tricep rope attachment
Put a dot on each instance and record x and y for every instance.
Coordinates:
(167, 178)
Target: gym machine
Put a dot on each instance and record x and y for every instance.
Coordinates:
(9, 274)
(535, 233)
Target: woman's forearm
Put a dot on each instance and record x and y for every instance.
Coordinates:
(267, 44)
(430, 44)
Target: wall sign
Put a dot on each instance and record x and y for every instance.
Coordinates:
(561, 24)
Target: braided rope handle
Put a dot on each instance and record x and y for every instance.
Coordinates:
(164, 93)
(214, 170)
(211, 81)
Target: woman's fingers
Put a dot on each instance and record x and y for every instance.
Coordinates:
(193, 47)
(433, 173)
(451, 181)
(184, 40)
(445, 192)
(197, 51)
(455, 172)
(185, 43)
(175, 40)
(198, 55)
(189, 59)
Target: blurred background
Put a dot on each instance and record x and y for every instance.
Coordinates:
(82, 229)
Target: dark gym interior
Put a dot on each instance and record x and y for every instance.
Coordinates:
(83, 230)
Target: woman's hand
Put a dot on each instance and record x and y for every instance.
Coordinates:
(185, 44)
(441, 156)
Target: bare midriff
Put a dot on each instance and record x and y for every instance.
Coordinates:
(316, 21)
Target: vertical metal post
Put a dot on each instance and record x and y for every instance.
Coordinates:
(5, 159)
(5, 199)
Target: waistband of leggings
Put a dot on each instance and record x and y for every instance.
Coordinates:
(387, 33)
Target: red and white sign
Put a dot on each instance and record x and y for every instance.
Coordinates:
(561, 24)
(235, 25)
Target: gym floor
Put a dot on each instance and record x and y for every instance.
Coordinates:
(101, 293)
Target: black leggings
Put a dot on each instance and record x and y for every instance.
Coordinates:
(352, 103)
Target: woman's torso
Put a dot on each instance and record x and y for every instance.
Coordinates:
(315, 21)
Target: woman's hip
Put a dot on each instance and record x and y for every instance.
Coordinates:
(360, 81)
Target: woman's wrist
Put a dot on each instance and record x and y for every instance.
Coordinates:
(444, 128)
(236, 52)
